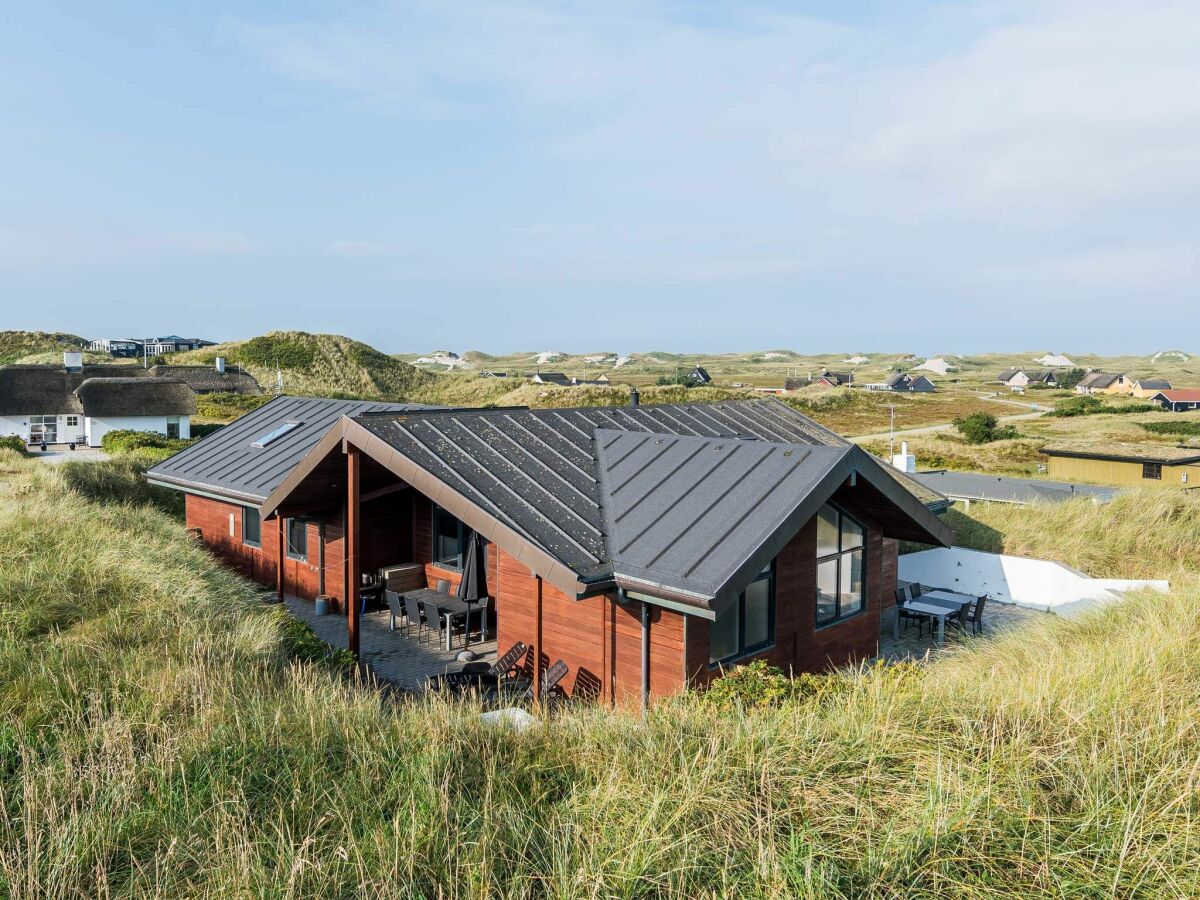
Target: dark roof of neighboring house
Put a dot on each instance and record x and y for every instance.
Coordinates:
(225, 463)
(839, 377)
(136, 397)
(977, 486)
(1124, 452)
(699, 373)
(1031, 374)
(1154, 384)
(552, 378)
(1098, 380)
(895, 379)
(687, 499)
(207, 378)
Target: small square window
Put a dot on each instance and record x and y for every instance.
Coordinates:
(1152, 471)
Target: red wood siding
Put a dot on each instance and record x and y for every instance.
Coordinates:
(799, 645)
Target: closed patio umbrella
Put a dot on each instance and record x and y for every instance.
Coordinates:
(473, 585)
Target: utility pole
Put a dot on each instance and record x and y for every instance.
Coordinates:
(892, 433)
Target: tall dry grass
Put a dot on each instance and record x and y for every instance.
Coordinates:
(157, 741)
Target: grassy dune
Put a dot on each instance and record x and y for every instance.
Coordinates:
(159, 738)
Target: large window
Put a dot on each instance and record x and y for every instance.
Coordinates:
(841, 567)
(251, 527)
(1152, 470)
(297, 539)
(748, 625)
(449, 539)
(43, 428)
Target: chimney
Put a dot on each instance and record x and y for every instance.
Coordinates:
(220, 365)
(905, 461)
(73, 360)
(634, 397)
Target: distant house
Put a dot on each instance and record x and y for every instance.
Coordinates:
(551, 378)
(825, 379)
(1102, 383)
(903, 382)
(173, 343)
(699, 375)
(210, 379)
(1125, 464)
(1179, 400)
(1148, 387)
(77, 404)
(486, 373)
(118, 347)
(1022, 378)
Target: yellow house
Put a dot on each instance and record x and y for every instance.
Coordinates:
(1126, 465)
(1148, 387)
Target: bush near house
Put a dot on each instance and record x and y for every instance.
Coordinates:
(1184, 428)
(227, 406)
(983, 428)
(1090, 405)
(13, 442)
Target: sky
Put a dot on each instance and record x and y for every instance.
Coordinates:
(704, 177)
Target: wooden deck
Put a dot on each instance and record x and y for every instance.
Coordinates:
(997, 617)
(403, 661)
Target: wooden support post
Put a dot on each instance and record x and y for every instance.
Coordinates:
(537, 643)
(281, 550)
(353, 563)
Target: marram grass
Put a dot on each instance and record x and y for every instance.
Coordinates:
(157, 741)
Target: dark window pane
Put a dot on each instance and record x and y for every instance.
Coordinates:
(297, 539)
(827, 591)
(446, 535)
(827, 531)
(852, 583)
(251, 526)
(758, 613)
(852, 533)
(723, 635)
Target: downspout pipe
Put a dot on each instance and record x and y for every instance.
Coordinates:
(645, 658)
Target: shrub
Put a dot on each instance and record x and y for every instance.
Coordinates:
(758, 685)
(12, 442)
(1184, 428)
(227, 406)
(1071, 377)
(983, 428)
(681, 379)
(1088, 405)
(127, 440)
(269, 351)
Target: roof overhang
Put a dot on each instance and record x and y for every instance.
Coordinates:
(348, 433)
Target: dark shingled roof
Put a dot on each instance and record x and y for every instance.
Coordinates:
(1154, 384)
(224, 462)
(206, 379)
(136, 397)
(1098, 380)
(687, 497)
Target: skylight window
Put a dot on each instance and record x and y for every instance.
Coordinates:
(275, 434)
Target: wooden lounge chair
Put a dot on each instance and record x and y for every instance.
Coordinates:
(551, 679)
(481, 674)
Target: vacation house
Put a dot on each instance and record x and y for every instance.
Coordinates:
(647, 547)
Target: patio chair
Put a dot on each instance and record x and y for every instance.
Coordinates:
(481, 608)
(433, 619)
(481, 674)
(412, 615)
(396, 607)
(551, 679)
(505, 667)
(975, 615)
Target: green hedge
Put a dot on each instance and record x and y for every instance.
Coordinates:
(12, 442)
(126, 440)
(1185, 428)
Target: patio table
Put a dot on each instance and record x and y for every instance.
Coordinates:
(938, 604)
(450, 608)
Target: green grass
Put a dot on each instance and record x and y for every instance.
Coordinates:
(1189, 428)
(159, 737)
(17, 345)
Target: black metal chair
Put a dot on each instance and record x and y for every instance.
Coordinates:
(412, 616)
(487, 675)
(433, 619)
(396, 607)
(903, 595)
(975, 615)
(481, 608)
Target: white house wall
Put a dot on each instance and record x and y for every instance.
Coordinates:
(1033, 583)
(19, 425)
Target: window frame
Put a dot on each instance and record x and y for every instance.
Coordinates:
(287, 540)
(1152, 471)
(461, 540)
(840, 555)
(768, 574)
(247, 511)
